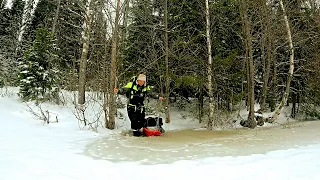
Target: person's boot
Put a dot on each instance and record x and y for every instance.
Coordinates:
(136, 133)
(162, 130)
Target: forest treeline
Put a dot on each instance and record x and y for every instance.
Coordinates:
(212, 54)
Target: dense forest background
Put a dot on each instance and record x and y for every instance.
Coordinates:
(208, 55)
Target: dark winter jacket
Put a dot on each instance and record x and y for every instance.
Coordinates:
(136, 93)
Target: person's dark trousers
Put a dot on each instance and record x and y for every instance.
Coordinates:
(137, 118)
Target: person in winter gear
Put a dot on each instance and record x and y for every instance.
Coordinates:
(136, 91)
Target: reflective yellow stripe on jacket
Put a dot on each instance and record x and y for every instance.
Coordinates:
(135, 87)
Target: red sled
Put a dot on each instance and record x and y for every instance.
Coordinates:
(151, 132)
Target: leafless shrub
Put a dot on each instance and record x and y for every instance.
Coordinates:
(5, 92)
(89, 114)
(42, 115)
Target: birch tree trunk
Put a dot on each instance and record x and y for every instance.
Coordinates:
(291, 68)
(126, 16)
(200, 104)
(245, 65)
(26, 18)
(210, 90)
(102, 54)
(167, 63)
(110, 124)
(246, 48)
(251, 122)
(266, 74)
(85, 48)
(273, 99)
(56, 16)
(105, 88)
(251, 119)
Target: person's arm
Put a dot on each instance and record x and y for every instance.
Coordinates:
(124, 90)
(153, 94)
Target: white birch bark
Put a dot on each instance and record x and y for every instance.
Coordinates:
(84, 54)
(167, 63)
(291, 50)
(210, 90)
(110, 124)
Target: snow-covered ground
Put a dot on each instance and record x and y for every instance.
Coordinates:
(32, 150)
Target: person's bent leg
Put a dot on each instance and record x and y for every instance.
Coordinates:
(141, 119)
(135, 124)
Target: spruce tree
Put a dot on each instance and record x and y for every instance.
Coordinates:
(15, 24)
(42, 17)
(144, 46)
(4, 41)
(38, 72)
(69, 36)
(3, 4)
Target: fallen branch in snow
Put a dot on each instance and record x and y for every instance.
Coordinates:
(57, 120)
